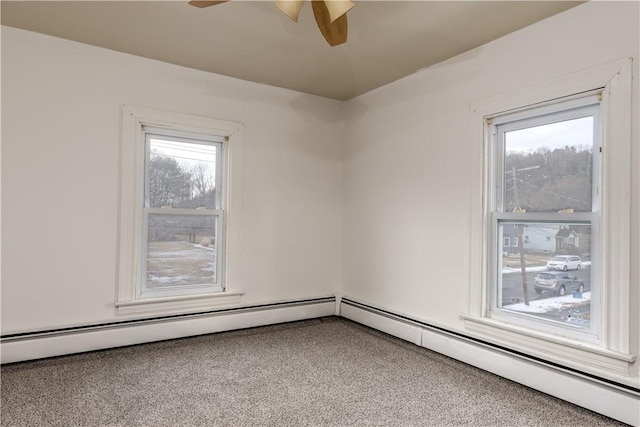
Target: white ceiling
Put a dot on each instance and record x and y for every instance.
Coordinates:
(253, 40)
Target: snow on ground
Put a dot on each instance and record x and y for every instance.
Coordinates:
(549, 304)
(170, 280)
(180, 263)
(204, 247)
(509, 270)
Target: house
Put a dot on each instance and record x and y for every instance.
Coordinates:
(554, 238)
(510, 239)
(567, 240)
(544, 238)
(356, 207)
(541, 238)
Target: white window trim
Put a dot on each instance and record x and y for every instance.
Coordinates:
(611, 356)
(132, 161)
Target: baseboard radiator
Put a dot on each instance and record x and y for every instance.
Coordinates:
(617, 401)
(57, 342)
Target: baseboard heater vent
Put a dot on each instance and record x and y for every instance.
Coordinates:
(50, 333)
(633, 391)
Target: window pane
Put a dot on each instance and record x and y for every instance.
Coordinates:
(556, 283)
(181, 174)
(181, 250)
(548, 168)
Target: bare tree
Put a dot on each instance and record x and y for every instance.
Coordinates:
(551, 180)
(169, 184)
(203, 183)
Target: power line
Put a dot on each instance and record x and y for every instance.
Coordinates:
(184, 146)
(187, 158)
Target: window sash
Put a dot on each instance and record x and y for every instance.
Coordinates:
(574, 108)
(494, 310)
(142, 290)
(565, 111)
(171, 136)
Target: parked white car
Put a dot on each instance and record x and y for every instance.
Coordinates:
(564, 263)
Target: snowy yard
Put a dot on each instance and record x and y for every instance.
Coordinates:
(565, 309)
(179, 264)
(549, 304)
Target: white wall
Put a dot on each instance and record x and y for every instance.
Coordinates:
(60, 153)
(407, 186)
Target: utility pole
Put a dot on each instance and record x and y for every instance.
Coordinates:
(519, 227)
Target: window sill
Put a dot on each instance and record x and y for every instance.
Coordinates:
(563, 351)
(179, 304)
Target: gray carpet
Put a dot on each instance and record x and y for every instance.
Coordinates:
(323, 372)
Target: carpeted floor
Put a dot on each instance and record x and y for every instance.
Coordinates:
(323, 372)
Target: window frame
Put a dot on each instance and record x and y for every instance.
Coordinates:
(610, 357)
(555, 111)
(135, 122)
(142, 292)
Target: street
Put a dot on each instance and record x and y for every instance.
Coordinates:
(576, 314)
(512, 285)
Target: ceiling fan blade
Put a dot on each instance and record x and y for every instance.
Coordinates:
(337, 8)
(206, 3)
(335, 32)
(291, 8)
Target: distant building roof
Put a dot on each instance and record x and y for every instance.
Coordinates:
(565, 232)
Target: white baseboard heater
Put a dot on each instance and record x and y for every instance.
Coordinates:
(617, 401)
(57, 342)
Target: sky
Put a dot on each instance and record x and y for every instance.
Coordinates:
(576, 132)
(185, 154)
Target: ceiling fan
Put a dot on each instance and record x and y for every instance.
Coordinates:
(331, 15)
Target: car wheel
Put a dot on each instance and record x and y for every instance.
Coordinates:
(562, 291)
(565, 268)
(538, 291)
(581, 288)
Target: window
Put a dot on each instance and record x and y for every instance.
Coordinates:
(570, 200)
(179, 228)
(545, 171)
(182, 214)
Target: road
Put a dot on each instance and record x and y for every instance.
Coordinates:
(512, 285)
(578, 315)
